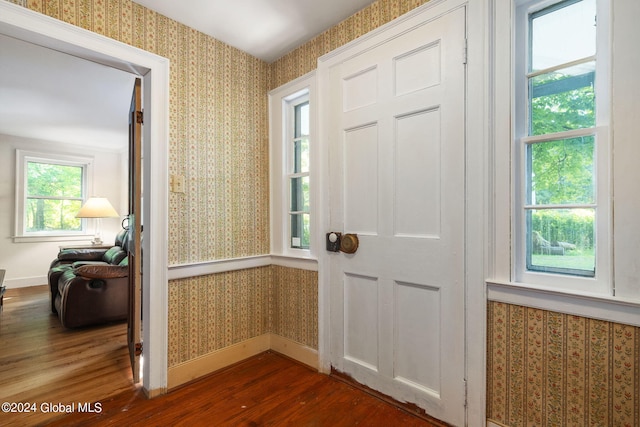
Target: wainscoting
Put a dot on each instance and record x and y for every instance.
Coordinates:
(547, 368)
(218, 319)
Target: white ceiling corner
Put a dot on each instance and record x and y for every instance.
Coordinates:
(266, 29)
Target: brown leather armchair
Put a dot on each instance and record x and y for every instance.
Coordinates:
(67, 257)
(90, 286)
(90, 294)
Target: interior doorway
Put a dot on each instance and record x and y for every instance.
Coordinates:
(21, 23)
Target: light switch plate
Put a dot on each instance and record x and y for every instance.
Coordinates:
(177, 183)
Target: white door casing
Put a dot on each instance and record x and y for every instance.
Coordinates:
(394, 120)
(34, 27)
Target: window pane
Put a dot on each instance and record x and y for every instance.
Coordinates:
(561, 172)
(561, 241)
(302, 120)
(563, 100)
(300, 231)
(46, 179)
(300, 194)
(301, 156)
(563, 33)
(52, 215)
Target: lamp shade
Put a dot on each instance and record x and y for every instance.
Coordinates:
(97, 207)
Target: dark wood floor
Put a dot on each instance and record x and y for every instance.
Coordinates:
(266, 390)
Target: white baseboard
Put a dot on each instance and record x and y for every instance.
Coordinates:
(216, 360)
(25, 282)
(494, 424)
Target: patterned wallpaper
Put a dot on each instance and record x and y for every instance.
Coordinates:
(295, 305)
(218, 127)
(304, 59)
(551, 369)
(215, 311)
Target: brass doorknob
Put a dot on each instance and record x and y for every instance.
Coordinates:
(349, 243)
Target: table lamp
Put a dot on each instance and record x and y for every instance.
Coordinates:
(98, 208)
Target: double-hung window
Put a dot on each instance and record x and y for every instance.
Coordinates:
(51, 190)
(561, 169)
(297, 152)
(292, 167)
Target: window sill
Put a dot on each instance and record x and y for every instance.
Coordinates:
(602, 307)
(299, 262)
(57, 239)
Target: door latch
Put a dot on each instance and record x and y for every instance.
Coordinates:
(333, 241)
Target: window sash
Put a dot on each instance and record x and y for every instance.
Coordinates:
(297, 172)
(570, 278)
(23, 159)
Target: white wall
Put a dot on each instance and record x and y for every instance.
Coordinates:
(626, 147)
(27, 263)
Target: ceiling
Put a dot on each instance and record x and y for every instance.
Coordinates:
(52, 96)
(267, 29)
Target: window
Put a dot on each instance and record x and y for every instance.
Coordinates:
(51, 190)
(561, 143)
(298, 171)
(292, 166)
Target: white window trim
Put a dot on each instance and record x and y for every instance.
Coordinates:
(279, 182)
(24, 156)
(501, 284)
(602, 282)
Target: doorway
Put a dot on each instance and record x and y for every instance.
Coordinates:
(24, 24)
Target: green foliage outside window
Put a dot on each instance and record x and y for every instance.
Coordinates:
(562, 172)
(54, 197)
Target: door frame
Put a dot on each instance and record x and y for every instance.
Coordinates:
(476, 179)
(24, 24)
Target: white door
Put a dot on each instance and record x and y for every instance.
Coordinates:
(396, 134)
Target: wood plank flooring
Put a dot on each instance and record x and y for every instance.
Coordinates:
(265, 390)
(40, 362)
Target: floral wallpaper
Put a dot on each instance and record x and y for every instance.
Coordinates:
(552, 369)
(218, 127)
(215, 311)
(295, 305)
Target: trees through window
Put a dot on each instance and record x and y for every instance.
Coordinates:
(51, 190)
(559, 141)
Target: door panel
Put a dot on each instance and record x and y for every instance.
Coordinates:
(397, 150)
(361, 319)
(361, 197)
(420, 164)
(417, 306)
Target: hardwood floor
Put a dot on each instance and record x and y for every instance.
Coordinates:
(42, 363)
(265, 390)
